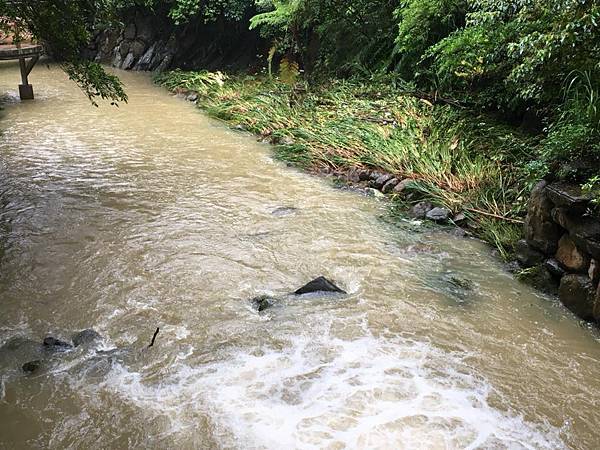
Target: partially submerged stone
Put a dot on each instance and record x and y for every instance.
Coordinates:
(320, 284)
(577, 293)
(262, 302)
(554, 267)
(31, 366)
(85, 337)
(51, 343)
(526, 255)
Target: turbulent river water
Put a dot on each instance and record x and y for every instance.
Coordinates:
(154, 215)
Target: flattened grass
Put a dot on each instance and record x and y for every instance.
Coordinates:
(464, 162)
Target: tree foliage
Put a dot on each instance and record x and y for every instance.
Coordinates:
(65, 28)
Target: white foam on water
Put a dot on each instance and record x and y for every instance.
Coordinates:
(321, 391)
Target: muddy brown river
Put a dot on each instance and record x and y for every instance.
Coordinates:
(152, 215)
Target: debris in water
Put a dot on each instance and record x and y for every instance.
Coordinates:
(154, 337)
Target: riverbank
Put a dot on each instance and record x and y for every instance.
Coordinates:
(379, 134)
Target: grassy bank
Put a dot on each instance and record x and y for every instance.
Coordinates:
(456, 159)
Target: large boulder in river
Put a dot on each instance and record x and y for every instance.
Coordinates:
(540, 230)
(577, 293)
(320, 284)
(85, 337)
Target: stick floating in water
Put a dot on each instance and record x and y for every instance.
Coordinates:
(154, 337)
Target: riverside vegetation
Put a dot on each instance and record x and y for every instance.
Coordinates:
(464, 162)
(473, 101)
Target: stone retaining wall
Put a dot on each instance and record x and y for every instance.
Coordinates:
(562, 238)
(151, 42)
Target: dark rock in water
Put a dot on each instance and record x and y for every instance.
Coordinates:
(553, 266)
(85, 337)
(51, 343)
(438, 214)
(419, 210)
(31, 366)
(526, 255)
(577, 293)
(320, 284)
(262, 302)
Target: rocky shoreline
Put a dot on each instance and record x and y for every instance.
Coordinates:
(562, 246)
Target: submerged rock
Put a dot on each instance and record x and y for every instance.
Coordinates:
(85, 337)
(31, 366)
(320, 284)
(463, 283)
(51, 343)
(380, 181)
(284, 211)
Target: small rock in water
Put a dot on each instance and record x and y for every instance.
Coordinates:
(320, 284)
(438, 214)
(262, 302)
(462, 283)
(31, 366)
(52, 343)
(85, 337)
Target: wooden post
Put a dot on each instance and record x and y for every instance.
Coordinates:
(25, 89)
